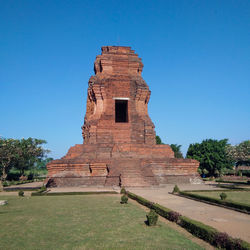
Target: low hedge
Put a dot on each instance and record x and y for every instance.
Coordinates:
(10, 183)
(10, 189)
(70, 193)
(196, 228)
(240, 206)
(140, 200)
(234, 182)
(219, 190)
(232, 187)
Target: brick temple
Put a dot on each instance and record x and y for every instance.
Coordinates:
(119, 147)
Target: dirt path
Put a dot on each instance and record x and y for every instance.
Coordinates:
(234, 223)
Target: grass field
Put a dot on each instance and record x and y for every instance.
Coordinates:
(241, 196)
(82, 222)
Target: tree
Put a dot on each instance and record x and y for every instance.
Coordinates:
(158, 140)
(240, 154)
(8, 156)
(30, 152)
(20, 154)
(212, 156)
(177, 150)
(41, 164)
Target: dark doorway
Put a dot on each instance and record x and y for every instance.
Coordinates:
(121, 111)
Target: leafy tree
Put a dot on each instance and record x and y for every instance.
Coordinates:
(211, 154)
(177, 150)
(41, 163)
(8, 157)
(30, 152)
(20, 154)
(158, 140)
(240, 153)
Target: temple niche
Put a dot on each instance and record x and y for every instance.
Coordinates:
(119, 147)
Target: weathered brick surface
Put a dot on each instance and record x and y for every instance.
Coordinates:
(118, 153)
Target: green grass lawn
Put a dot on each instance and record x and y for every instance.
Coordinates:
(241, 196)
(82, 222)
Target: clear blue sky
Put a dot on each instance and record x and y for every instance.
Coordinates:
(196, 57)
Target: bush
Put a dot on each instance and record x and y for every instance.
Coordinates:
(223, 196)
(30, 176)
(152, 218)
(124, 199)
(176, 189)
(123, 191)
(42, 189)
(13, 176)
(5, 184)
(221, 240)
(140, 199)
(21, 193)
(198, 229)
(173, 216)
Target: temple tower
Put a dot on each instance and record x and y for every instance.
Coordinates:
(118, 100)
(119, 145)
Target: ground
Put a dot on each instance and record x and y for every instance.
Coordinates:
(82, 222)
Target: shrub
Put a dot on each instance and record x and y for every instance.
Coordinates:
(221, 240)
(223, 196)
(152, 218)
(124, 199)
(13, 176)
(140, 199)
(176, 189)
(123, 191)
(21, 193)
(5, 184)
(43, 189)
(198, 229)
(173, 216)
(30, 176)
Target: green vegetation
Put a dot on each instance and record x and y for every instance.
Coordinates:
(42, 193)
(175, 147)
(82, 222)
(152, 218)
(202, 231)
(21, 193)
(212, 156)
(241, 207)
(158, 140)
(176, 189)
(223, 196)
(124, 199)
(123, 190)
(240, 153)
(20, 155)
(177, 150)
(234, 196)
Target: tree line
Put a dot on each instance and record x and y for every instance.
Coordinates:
(21, 155)
(216, 157)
